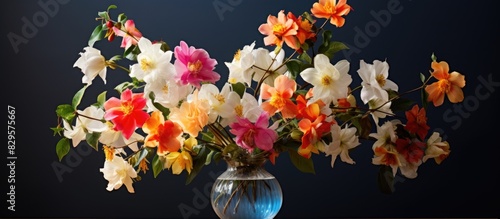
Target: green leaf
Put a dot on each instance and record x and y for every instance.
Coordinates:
(131, 53)
(294, 67)
(116, 58)
(62, 148)
(198, 163)
(422, 77)
(165, 111)
(93, 140)
(334, 47)
(98, 34)
(101, 98)
(305, 57)
(239, 88)
(424, 95)
(164, 46)
(401, 104)
(385, 180)
(104, 15)
(66, 111)
(122, 18)
(123, 86)
(301, 163)
(327, 36)
(78, 97)
(112, 7)
(157, 165)
(137, 158)
(57, 130)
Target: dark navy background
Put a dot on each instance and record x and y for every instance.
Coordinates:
(40, 76)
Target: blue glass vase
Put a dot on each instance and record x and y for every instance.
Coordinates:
(246, 191)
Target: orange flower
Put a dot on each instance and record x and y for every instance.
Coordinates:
(304, 31)
(279, 97)
(192, 115)
(417, 122)
(280, 29)
(331, 9)
(164, 134)
(450, 84)
(313, 125)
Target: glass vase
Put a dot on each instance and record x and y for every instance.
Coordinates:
(246, 191)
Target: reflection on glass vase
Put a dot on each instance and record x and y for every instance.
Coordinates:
(246, 191)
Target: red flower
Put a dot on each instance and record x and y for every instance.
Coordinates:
(126, 113)
(412, 151)
(417, 122)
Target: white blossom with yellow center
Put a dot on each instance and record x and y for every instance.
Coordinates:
(240, 69)
(375, 83)
(118, 172)
(330, 82)
(152, 63)
(221, 103)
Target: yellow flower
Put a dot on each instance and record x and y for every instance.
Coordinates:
(192, 116)
(179, 161)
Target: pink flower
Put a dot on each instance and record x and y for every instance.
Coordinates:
(194, 66)
(249, 135)
(131, 35)
(126, 113)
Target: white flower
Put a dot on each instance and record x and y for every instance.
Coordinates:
(386, 134)
(240, 69)
(330, 82)
(92, 63)
(221, 103)
(264, 59)
(381, 112)
(342, 141)
(384, 147)
(85, 125)
(117, 140)
(118, 172)
(409, 169)
(152, 62)
(247, 107)
(168, 93)
(375, 83)
(436, 148)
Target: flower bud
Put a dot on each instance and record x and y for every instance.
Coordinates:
(110, 24)
(296, 135)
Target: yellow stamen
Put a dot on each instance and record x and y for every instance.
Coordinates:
(220, 98)
(278, 29)
(195, 67)
(127, 108)
(147, 65)
(143, 166)
(239, 110)
(277, 101)
(237, 55)
(381, 80)
(109, 152)
(165, 89)
(326, 80)
(444, 85)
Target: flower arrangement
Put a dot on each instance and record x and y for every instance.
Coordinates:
(169, 115)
